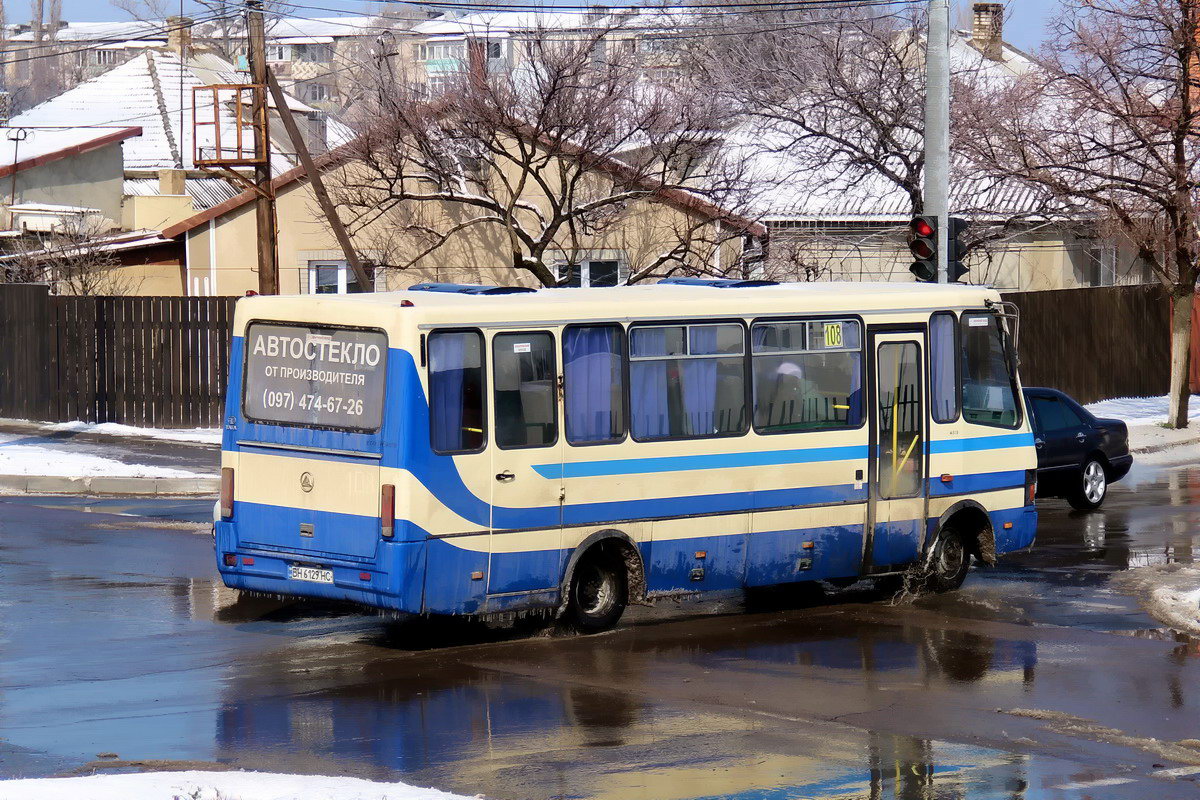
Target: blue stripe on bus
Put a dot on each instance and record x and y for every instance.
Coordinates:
(977, 482)
(977, 443)
(641, 466)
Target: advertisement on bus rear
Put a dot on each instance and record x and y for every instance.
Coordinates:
(315, 376)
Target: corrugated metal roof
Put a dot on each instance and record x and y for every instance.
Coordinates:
(154, 91)
(205, 192)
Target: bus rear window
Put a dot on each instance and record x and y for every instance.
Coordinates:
(314, 376)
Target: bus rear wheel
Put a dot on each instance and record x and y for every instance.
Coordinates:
(599, 593)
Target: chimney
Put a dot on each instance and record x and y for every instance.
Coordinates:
(179, 36)
(987, 29)
(171, 182)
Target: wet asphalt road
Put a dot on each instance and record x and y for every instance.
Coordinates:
(1035, 681)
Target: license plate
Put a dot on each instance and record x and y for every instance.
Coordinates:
(312, 574)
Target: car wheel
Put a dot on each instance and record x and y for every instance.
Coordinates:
(598, 594)
(1092, 488)
(948, 563)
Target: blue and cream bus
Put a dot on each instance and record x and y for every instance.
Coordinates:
(461, 449)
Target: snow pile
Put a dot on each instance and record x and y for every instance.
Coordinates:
(199, 435)
(29, 459)
(1169, 592)
(213, 786)
(1140, 410)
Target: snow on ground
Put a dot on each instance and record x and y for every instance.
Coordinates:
(213, 786)
(200, 435)
(1140, 410)
(1169, 592)
(31, 459)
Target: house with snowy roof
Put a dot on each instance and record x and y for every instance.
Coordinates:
(833, 220)
(125, 145)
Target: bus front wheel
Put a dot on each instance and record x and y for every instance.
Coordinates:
(599, 593)
(948, 562)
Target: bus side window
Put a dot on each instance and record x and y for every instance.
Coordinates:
(989, 394)
(807, 375)
(943, 366)
(687, 381)
(456, 395)
(523, 387)
(594, 383)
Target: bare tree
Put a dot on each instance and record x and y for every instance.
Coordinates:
(73, 260)
(547, 162)
(1107, 130)
(834, 103)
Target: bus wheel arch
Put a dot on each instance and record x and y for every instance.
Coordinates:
(972, 522)
(609, 554)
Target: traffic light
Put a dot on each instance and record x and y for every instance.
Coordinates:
(956, 251)
(922, 241)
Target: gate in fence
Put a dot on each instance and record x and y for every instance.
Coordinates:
(146, 361)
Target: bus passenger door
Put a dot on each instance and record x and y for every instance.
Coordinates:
(896, 515)
(526, 447)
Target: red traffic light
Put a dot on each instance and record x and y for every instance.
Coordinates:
(921, 227)
(921, 249)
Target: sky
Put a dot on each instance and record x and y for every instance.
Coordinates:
(1024, 25)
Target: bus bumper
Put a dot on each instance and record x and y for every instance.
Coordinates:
(1014, 528)
(393, 580)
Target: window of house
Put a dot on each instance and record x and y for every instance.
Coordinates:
(687, 381)
(989, 390)
(943, 366)
(590, 273)
(594, 383)
(524, 390)
(279, 52)
(440, 51)
(335, 277)
(1097, 264)
(807, 375)
(438, 84)
(494, 50)
(457, 418)
(316, 92)
(313, 53)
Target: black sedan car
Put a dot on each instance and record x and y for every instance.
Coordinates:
(1078, 455)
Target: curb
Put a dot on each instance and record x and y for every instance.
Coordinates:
(103, 485)
(1158, 448)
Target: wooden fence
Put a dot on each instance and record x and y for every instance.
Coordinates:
(163, 361)
(1097, 343)
(147, 361)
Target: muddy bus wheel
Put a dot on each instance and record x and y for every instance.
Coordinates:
(599, 593)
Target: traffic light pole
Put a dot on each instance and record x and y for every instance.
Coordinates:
(937, 128)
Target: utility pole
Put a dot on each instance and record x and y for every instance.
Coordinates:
(264, 204)
(937, 128)
(314, 178)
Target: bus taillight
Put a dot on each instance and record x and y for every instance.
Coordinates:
(387, 510)
(226, 493)
(1030, 486)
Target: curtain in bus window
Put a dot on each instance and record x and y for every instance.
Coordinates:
(699, 380)
(648, 384)
(988, 393)
(942, 364)
(455, 392)
(593, 384)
